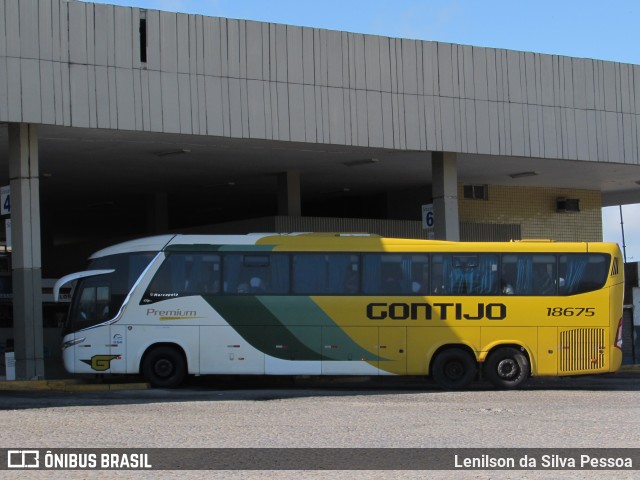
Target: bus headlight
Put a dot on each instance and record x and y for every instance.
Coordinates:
(71, 343)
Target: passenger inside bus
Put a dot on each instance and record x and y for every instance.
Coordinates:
(256, 285)
(543, 281)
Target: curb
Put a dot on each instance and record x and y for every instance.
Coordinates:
(630, 369)
(67, 386)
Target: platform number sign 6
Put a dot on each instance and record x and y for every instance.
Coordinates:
(427, 216)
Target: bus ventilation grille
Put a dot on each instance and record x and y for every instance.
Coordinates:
(614, 268)
(582, 350)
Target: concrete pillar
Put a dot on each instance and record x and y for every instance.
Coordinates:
(445, 196)
(158, 213)
(289, 203)
(635, 333)
(26, 256)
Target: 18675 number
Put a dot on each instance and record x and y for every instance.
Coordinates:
(571, 312)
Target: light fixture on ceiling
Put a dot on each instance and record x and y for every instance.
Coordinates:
(339, 191)
(167, 153)
(523, 174)
(359, 163)
(230, 183)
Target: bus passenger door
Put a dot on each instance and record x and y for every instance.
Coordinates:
(92, 342)
(548, 352)
(392, 348)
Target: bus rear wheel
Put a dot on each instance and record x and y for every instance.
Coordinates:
(507, 367)
(164, 367)
(454, 369)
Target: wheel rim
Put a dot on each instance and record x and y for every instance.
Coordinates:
(163, 368)
(508, 369)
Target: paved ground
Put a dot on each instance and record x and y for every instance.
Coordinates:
(226, 412)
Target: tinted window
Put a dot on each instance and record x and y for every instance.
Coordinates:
(325, 274)
(465, 274)
(389, 274)
(525, 274)
(183, 274)
(256, 274)
(582, 273)
(99, 298)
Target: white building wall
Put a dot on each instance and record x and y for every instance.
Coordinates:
(78, 64)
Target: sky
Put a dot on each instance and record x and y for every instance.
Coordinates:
(578, 28)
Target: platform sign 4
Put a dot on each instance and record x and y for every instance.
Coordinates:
(5, 200)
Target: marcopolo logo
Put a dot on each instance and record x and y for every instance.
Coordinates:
(23, 459)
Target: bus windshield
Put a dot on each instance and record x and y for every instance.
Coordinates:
(98, 299)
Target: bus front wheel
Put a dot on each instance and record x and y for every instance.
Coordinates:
(507, 367)
(164, 367)
(454, 369)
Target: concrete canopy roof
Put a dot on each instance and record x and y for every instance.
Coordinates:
(92, 166)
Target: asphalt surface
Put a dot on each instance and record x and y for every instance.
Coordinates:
(216, 412)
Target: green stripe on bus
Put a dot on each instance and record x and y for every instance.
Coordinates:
(263, 330)
(302, 312)
(289, 328)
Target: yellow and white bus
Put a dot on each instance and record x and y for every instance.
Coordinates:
(344, 304)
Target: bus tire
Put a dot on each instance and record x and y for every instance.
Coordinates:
(164, 367)
(454, 369)
(507, 367)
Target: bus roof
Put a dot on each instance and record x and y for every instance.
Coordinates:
(342, 242)
(147, 244)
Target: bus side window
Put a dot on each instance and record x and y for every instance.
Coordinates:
(395, 274)
(509, 274)
(208, 275)
(544, 276)
(464, 274)
(326, 274)
(440, 273)
(485, 276)
(169, 279)
(210, 282)
(580, 273)
(419, 274)
(256, 274)
(529, 274)
(185, 274)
